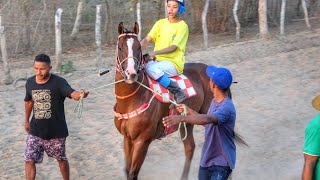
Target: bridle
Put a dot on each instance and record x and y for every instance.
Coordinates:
(120, 62)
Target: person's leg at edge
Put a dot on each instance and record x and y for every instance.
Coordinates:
(64, 169)
(30, 170)
(219, 172)
(204, 173)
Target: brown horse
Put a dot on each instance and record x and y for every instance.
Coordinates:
(140, 127)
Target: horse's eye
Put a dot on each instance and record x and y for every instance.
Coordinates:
(119, 48)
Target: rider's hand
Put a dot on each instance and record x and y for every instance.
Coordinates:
(152, 56)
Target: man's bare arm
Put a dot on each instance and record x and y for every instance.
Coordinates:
(308, 167)
(199, 119)
(28, 108)
(167, 50)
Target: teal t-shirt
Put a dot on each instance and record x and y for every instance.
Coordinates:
(312, 143)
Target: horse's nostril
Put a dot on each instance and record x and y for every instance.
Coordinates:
(132, 76)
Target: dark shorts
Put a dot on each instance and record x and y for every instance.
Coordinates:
(214, 173)
(36, 146)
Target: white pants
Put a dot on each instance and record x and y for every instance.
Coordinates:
(157, 69)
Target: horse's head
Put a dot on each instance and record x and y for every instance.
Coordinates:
(129, 55)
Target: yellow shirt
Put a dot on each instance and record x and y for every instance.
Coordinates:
(165, 34)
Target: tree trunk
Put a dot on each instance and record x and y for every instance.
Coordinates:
(35, 32)
(98, 37)
(58, 40)
(77, 22)
(204, 24)
(235, 15)
(225, 15)
(165, 9)
(305, 10)
(27, 25)
(108, 23)
(282, 16)
(196, 6)
(139, 18)
(7, 77)
(52, 6)
(263, 21)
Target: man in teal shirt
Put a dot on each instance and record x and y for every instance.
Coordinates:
(311, 148)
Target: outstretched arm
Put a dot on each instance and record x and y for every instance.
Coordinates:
(192, 117)
(145, 42)
(199, 119)
(28, 108)
(308, 167)
(167, 50)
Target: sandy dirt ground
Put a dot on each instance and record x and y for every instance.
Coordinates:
(277, 79)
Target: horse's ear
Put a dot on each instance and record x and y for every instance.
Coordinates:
(121, 28)
(136, 28)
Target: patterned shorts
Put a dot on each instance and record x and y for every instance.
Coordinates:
(36, 146)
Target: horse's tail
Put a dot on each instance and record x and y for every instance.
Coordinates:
(239, 140)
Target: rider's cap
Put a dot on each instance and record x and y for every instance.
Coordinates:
(180, 1)
(222, 77)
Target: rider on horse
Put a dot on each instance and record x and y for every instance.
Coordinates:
(170, 36)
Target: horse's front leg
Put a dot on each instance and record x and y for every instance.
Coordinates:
(140, 148)
(189, 147)
(127, 154)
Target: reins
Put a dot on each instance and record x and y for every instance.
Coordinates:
(79, 107)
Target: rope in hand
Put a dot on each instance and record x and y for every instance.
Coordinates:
(79, 107)
(184, 113)
(175, 103)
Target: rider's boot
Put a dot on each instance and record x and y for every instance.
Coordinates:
(177, 92)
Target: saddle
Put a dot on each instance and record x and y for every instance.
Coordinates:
(182, 81)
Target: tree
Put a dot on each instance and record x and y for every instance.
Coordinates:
(305, 10)
(7, 77)
(235, 15)
(27, 25)
(196, 7)
(263, 21)
(282, 16)
(58, 39)
(108, 22)
(204, 24)
(77, 22)
(98, 37)
(139, 18)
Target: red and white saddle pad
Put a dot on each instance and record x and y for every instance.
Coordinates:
(182, 81)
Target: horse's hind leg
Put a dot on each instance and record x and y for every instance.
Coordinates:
(189, 147)
(140, 148)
